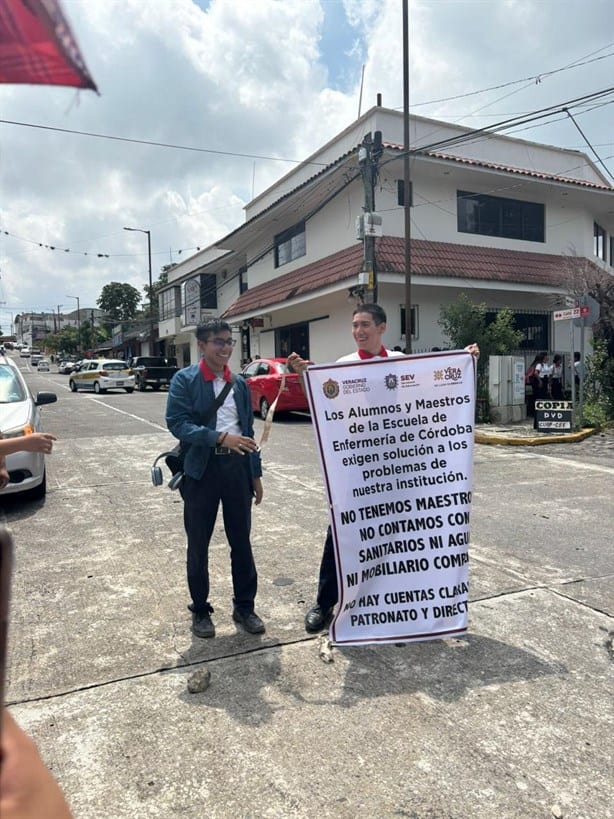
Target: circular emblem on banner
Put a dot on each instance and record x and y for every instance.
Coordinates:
(330, 388)
(391, 381)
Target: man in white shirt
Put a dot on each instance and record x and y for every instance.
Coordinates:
(368, 328)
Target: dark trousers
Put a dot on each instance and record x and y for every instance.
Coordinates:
(556, 389)
(328, 591)
(226, 479)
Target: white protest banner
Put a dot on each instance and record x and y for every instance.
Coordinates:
(395, 441)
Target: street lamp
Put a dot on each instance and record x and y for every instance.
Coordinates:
(78, 322)
(151, 320)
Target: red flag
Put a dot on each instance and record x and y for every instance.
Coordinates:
(38, 47)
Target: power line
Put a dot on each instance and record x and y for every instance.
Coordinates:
(535, 78)
(491, 130)
(586, 139)
(156, 144)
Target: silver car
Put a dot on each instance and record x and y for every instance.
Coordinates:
(20, 415)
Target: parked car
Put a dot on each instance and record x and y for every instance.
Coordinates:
(65, 367)
(44, 366)
(20, 415)
(264, 378)
(101, 375)
(151, 371)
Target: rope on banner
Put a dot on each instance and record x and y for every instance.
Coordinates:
(268, 421)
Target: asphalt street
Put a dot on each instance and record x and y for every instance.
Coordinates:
(516, 720)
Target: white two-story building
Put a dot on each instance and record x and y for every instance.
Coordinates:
(503, 220)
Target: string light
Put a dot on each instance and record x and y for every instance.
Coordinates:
(90, 253)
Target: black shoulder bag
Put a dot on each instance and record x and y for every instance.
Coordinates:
(176, 457)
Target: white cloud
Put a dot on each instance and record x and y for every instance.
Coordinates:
(246, 78)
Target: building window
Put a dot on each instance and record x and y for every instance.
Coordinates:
(611, 251)
(208, 291)
(242, 279)
(535, 328)
(496, 216)
(414, 321)
(294, 338)
(170, 303)
(599, 241)
(290, 244)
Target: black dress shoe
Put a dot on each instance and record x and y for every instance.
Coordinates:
(318, 618)
(250, 622)
(202, 625)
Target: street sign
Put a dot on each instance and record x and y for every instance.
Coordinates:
(553, 416)
(565, 315)
(590, 311)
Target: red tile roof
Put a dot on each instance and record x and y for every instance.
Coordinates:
(431, 259)
(307, 279)
(497, 166)
(551, 177)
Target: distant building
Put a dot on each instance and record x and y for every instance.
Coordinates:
(32, 328)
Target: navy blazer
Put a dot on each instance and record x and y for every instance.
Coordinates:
(189, 399)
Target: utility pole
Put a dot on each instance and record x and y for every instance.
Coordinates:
(78, 322)
(369, 154)
(151, 318)
(407, 191)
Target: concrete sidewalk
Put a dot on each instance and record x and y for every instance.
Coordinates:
(513, 722)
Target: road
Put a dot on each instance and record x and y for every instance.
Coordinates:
(516, 720)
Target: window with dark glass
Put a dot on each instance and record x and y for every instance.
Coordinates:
(242, 279)
(290, 244)
(208, 291)
(535, 328)
(599, 241)
(497, 216)
(293, 338)
(414, 321)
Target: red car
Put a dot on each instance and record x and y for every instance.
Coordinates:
(263, 378)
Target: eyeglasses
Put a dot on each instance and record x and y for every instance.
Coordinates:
(220, 343)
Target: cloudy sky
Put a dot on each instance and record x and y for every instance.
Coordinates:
(253, 85)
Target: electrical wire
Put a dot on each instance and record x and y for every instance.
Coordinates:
(156, 144)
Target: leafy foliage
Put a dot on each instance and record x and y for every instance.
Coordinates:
(465, 323)
(599, 386)
(152, 295)
(119, 300)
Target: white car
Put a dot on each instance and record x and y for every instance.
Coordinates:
(43, 366)
(24, 352)
(20, 415)
(101, 375)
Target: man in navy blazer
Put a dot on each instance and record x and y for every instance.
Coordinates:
(221, 464)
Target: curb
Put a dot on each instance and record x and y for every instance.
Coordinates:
(503, 440)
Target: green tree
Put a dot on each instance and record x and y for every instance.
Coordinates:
(65, 341)
(119, 300)
(465, 322)
(599, 385)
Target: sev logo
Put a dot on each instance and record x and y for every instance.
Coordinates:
(391, 381)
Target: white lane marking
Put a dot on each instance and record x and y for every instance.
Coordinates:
(609, 470)
(129, 414)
